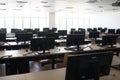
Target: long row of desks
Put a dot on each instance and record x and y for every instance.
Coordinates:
(57, 52)
(22, 55)
(11, 44)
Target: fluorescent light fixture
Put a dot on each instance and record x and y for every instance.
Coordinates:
(115, 9)
(17, 9)
(100, 6)
(22, 2)
(44, 2)
(69, 7)
(46, 6)
(2, 3)
(92, 1)
(3, 9)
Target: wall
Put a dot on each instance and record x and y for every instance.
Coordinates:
(109, 20)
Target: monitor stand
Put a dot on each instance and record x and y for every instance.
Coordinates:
(107, 46)
(74, 48)
(44, 52)
(117, 66)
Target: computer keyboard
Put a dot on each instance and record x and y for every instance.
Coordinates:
(71, 48)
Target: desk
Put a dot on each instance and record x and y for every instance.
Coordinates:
(88, 40)
(57, 74)
(12, 45)
(58, 52)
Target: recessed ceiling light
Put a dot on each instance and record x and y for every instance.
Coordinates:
(3, 9)
(37, 10)
(88, 9)
(44, 2)
(100, 6)
(115, 9)
(17, 9)
(22, 2)
(92, 1)
(69, 7)
(46, 6)
(2, 4)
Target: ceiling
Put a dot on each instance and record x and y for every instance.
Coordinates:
(59, 5)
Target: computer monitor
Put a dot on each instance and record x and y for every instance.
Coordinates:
(109, 40)
(54, 29)
(75, 40)
(88, 66)
(42, 44)
(2, 37)
(14, 30)
(3, 30)
(89, 29)
(28, 30)
(111, 31)
(79, 32)
(94, 34)
(62, 32)
(99, 28)
(102, 30)
(45, 29)
(36, 30)
(54, 35)
(23, 37)
(94, 29)
(41, 34)
(118, 31)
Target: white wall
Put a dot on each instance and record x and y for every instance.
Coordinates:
(109, 20)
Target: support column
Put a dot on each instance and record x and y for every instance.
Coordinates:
(52, 19)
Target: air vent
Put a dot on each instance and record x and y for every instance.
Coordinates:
(92, 1)
(115, 9)
(69, 7)
(100, 6)
(17, 9)
(46, 6)
(3, 9)
(2, 4)
(21, 2)
(44, 2)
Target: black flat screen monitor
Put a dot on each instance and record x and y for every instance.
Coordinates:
(88, 66)
(13, 30)
(2, 37)
(62, 32)
(42, 44)
(75, 40)
(118, 31)
(89, 29)
(79, 32)
(102, 30)
(41, 34)
(23, 37)
(94, 34)
(28, 30)
(54, 29)
(45, 29)
(36, 30)
(54, 35)
(99, 28)
(111, 31)
(109, 40)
